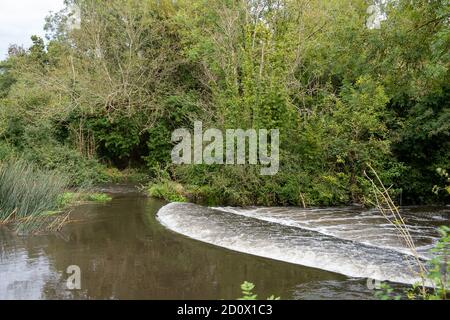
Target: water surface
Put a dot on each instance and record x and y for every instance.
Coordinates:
(124, 252)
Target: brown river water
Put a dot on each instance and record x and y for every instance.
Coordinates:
(126, 249)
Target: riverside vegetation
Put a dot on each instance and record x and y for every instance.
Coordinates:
(104, 95)
(434, 281)
(34, 200)
(101, 97)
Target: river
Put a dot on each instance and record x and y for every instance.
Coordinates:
(130, 249)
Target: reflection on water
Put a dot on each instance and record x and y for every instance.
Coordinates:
(125, 253)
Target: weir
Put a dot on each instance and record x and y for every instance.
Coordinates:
(265, 235)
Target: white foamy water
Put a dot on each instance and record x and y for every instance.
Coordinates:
(366, 227)
(337, 240)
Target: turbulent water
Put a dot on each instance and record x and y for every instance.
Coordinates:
(348, 241)
(124, 252)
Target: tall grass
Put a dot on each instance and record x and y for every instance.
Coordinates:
(391, 212)
(28, 194)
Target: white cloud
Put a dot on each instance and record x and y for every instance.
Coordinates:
(20, 19)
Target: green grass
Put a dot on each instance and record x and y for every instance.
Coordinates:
(28, 192)
(167, 190)
(67, 198)
(98, 197)
(70, 198)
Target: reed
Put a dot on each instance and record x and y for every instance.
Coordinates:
(28, 194)
(391, 212)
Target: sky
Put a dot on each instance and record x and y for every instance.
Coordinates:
(20, 19)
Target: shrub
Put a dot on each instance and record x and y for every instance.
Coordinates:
(81, 171)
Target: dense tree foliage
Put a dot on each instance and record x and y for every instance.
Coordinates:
(342, 93)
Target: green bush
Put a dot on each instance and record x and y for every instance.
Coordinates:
(243, 185)
(80, 170)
